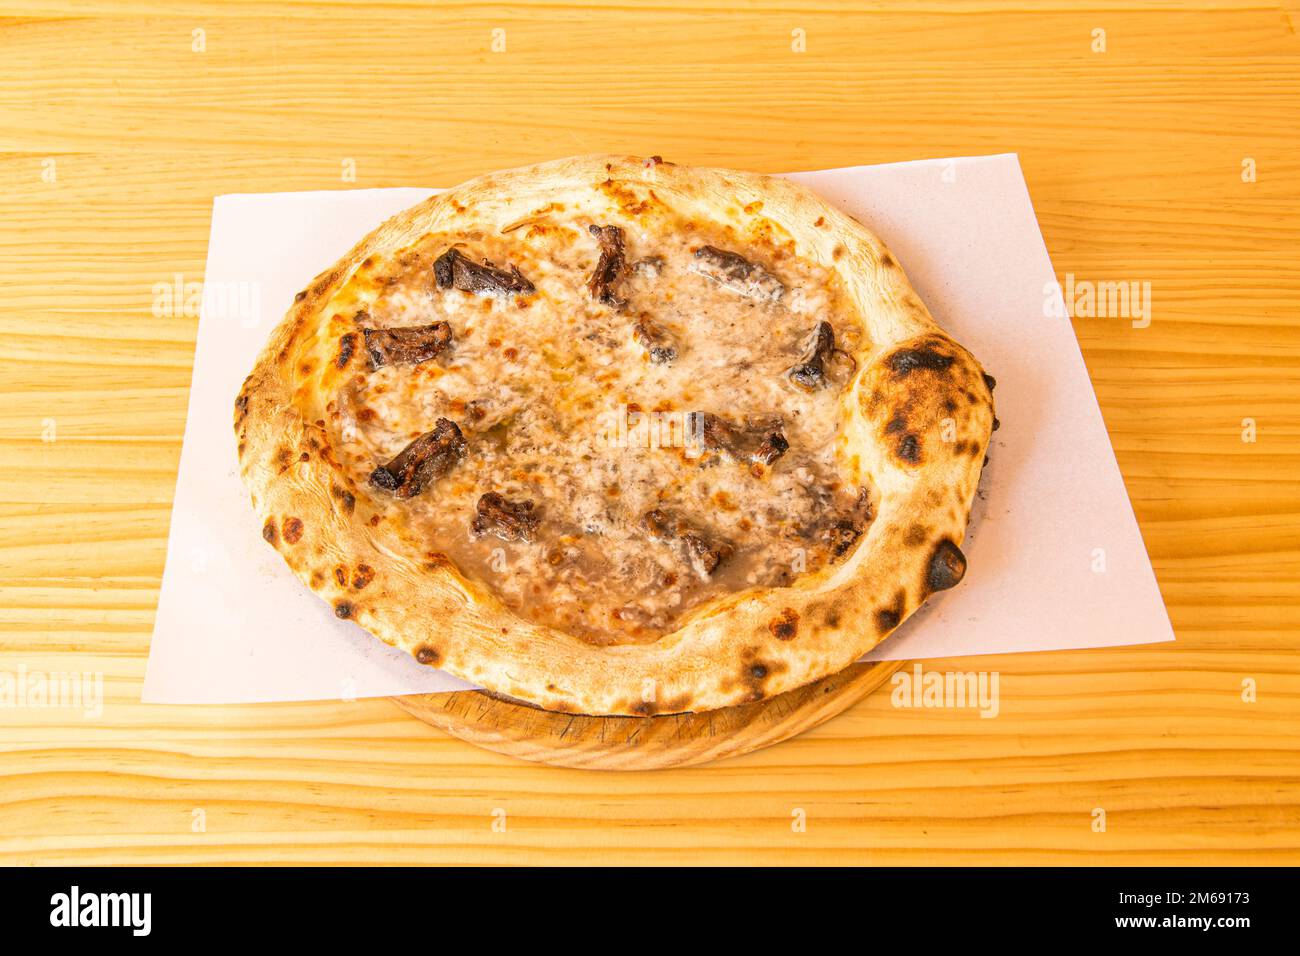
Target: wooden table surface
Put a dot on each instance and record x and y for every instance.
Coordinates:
(120, 121)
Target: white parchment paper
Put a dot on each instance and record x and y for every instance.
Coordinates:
(1056, 560)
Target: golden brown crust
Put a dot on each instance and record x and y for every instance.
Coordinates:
(918, 418)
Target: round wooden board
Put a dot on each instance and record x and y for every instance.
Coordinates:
(521, 730)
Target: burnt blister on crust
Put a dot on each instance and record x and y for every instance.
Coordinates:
(908, 449)
(454, 270)
(426, 459)
(345, 498)
(888, 618)
(923, 357)
(785, 626)
(755, 673)
(946, 568)
(241, 403)
(411, 345)
(505, 519)
(609, 268)
(921, 386)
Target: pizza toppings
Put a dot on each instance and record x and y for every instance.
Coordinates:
(647, 531)
(840, 535)
(347, 345)
(505, 519)
(840, 531)
(453, 270)
(426, 459)
(654, 340)
(609, 268)
(735, 272)
(823, 364)
(810, 374)
(704, 554)
(406, 346)
(759, 445)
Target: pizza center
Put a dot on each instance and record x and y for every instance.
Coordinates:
(607, 424)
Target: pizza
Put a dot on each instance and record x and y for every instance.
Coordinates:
(618, 436)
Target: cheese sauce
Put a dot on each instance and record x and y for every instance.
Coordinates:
(584, 409)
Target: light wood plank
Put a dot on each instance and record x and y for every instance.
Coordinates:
(1134, 161)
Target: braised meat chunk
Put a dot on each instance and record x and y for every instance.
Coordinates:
(609, 268)
(454, 270)
(406, 346)
(424, 460)
(810, 373)
(505, 519)
(703, 552)
(655, 341)
(735, 272)
(823, 363)
(839, 530)
(759, 445)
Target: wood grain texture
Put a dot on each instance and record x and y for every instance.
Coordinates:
(512, 727)
(1134, 159)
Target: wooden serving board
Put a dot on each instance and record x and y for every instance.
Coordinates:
(512, 727)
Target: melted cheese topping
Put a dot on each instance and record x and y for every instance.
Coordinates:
(561, 405)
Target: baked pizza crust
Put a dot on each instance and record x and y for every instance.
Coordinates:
(918, 415)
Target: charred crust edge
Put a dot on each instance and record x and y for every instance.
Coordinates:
(922, 357)
(946, 567)
(785, 626)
